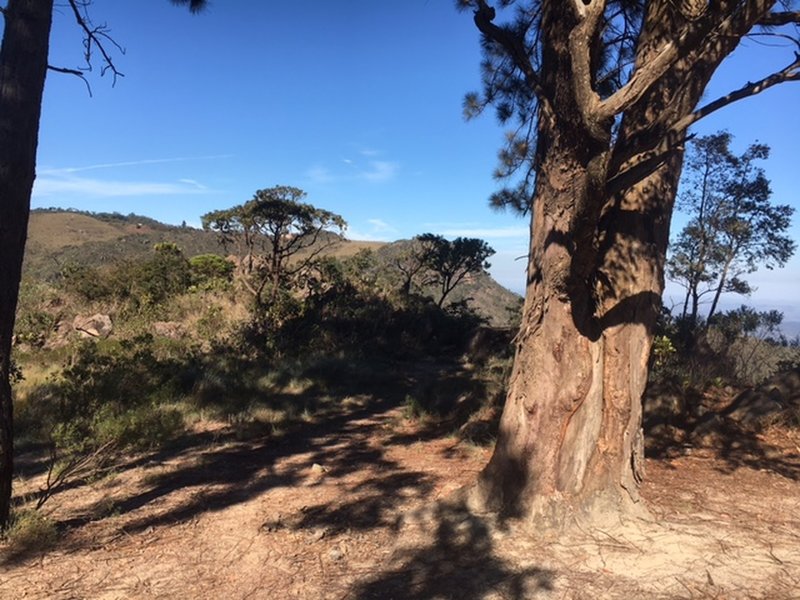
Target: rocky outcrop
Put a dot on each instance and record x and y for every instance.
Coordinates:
(94, 326)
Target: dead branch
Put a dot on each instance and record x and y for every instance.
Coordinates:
(96, 38)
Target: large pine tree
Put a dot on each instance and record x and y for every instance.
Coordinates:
(602, 93)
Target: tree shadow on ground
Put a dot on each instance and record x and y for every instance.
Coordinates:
(459, 401)
(223, 474)
(456, 561)
(230, 475)
(215, 471)
(734, 445)
(739, 447)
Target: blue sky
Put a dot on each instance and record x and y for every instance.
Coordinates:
(358, 103)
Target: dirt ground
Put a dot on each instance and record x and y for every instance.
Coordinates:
(319, 514)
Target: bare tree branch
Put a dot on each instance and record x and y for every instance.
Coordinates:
(781, 37)
(66, 70)
(96, 38)
(76, 72)
(780, 18)
(790, 73)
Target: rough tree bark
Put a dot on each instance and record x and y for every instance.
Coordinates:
(570, 442)
(23, 68)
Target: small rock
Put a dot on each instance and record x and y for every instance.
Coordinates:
(272, 525)
(335, 554)
(318, 468)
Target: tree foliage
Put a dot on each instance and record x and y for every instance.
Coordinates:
(449, 263)
(432, 260)
(209, 271)
(733, 228)
(278, 237)
(136, 284)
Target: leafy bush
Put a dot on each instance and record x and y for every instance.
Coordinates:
(210, 271)
(139, 284)
(87, 283)
(340, 314)
(738, 347)
(30, 531)
(111, 397)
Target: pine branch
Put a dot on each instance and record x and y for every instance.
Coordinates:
(780, 18)
(514, 47)
(790, 73)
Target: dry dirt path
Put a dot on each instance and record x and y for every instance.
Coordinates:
(317, 514)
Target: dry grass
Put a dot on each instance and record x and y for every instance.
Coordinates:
(52, 231)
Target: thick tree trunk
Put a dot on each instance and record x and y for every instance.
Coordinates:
(570, 438)
(570, 442)
(23, 67)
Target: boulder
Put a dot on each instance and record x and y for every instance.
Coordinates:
(95, 326)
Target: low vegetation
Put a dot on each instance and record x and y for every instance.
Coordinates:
(191, 348)
(189, 342)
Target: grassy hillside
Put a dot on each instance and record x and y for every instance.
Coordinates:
(57, 238)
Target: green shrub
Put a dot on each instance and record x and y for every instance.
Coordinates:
(112, 396)
(87, 283)
(138, 284)
(413, 408)
(30, 531)
(210, 271)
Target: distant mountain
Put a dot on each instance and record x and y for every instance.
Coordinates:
(60, 237)
(57, 238)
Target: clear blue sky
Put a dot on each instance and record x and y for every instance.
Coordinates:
(357, 102)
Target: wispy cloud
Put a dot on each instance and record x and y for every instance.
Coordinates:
(379, 225)
(52, 181)
(194, 183)
(129, 163)
(482, 232)
(378, 231)
(379, 171)
(51, 186)
(319, 174)
(366, 168)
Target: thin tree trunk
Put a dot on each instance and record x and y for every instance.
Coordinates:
(718, 292)
(23, 68)
(686, 303)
